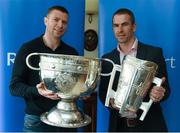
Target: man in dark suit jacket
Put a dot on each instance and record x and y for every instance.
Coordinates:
(124, 27)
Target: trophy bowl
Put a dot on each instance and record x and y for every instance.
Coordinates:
(70, 77)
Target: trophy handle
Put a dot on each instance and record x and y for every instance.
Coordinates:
(145, 106)
(110, 61)
(27, 61)
(92, 77)
(110, 91)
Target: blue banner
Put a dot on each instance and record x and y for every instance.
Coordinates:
(158, 25)
(20, 21)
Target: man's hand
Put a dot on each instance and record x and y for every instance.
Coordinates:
(157, 93)
(85, 97)
(45, 92)
(112, 104)
(127, 113)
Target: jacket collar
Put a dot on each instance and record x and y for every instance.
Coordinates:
(141, 51)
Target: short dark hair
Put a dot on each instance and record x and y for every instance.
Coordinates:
(125, 11)
(60, 8)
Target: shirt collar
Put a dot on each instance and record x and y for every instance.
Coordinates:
(134, 46)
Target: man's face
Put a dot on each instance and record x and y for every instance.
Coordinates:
(56, 23)
(123, 28)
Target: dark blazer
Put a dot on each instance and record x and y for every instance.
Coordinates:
(154, 120)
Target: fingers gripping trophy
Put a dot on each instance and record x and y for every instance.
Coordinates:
(135, 80)
(70, 77)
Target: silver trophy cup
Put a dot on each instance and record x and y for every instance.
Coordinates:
(70, 77)
(135, 80)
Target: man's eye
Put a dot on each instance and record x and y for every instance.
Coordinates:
(64, 22)
(125, 24)
(115, 25)
(55, 19)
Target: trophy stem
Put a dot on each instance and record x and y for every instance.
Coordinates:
(67, 104)
(66, 114)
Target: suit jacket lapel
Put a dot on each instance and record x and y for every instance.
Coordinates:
(141, 51)
(116, 57)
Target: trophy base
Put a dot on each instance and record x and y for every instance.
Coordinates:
(71, 117)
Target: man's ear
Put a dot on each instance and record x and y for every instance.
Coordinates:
(134, 27)
(45, 20)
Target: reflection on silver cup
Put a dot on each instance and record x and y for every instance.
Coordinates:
(70, 77)
(135, 80)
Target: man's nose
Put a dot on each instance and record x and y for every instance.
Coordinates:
(120, 28)
(60, 23)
